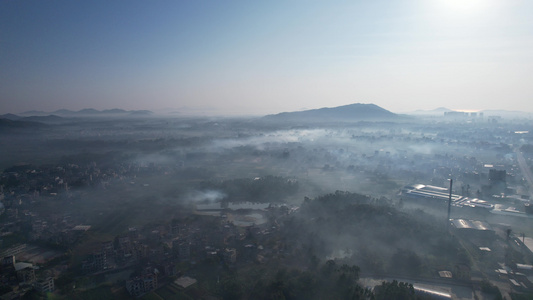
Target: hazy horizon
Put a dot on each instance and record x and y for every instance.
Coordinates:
(240, 58)
(190, 111)
(209, 112)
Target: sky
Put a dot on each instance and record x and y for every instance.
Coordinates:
(263, 57)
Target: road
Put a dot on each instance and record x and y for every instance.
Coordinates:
(526, 171)
(457, 290)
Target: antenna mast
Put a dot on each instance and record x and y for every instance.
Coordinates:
(449, 204)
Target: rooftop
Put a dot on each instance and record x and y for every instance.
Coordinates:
(471, 224)
(185, 281)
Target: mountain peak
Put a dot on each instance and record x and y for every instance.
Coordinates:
(346, 113)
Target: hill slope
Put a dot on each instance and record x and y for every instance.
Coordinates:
(89, 112)
(352, 112)
(17, 124)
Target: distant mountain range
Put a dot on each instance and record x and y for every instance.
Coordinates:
(34, 118)
(346, 113)
(89, 112)
(434, 112)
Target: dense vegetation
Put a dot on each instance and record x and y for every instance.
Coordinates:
(374, 235)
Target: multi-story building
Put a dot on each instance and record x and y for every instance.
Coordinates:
(108, 248)
(142, 284)
(45, 285)
(25, 272)
(183, 249)
(100, 260)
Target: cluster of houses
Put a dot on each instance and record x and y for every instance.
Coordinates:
(160, 251)
(19, 277)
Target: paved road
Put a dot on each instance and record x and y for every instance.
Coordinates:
(457, 290)
(526, 171)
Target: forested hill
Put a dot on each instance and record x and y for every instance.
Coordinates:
(380, 237)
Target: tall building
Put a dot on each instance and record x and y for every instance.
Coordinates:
(184, 251)
(100, 260)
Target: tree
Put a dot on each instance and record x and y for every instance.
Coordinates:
(231, 288)
(394, 291)
(489, 288)
(406, 261)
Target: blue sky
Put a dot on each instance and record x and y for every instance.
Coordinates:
(261, 57)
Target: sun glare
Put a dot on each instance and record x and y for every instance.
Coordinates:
(464, 13)
(464, 6)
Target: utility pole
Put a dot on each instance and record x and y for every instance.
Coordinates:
(449, 205)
